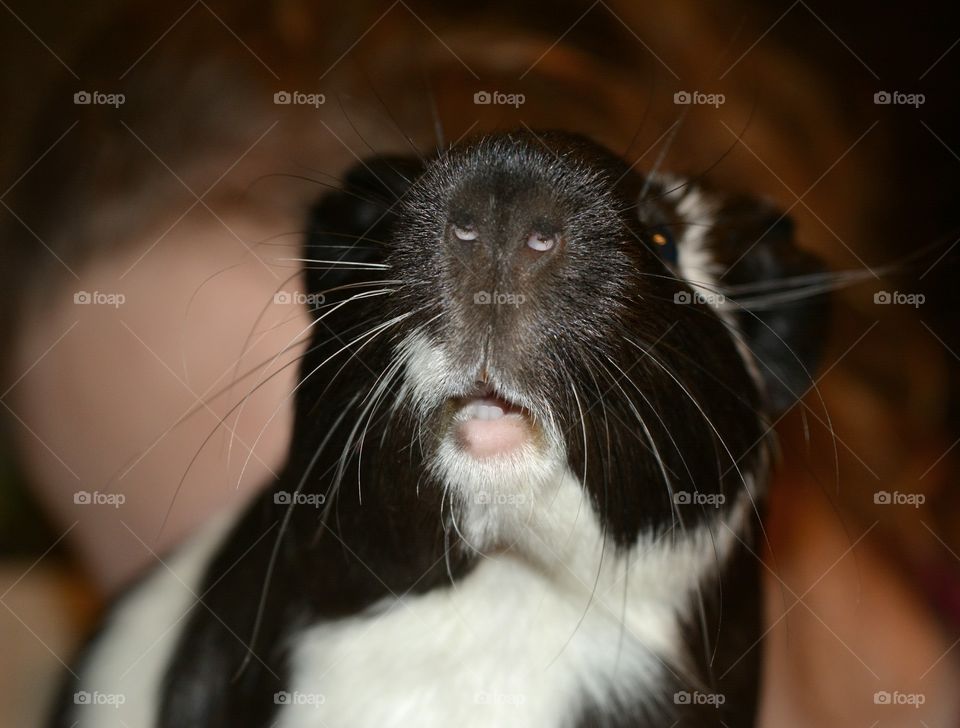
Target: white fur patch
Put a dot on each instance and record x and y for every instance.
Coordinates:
(548, 622)
(428, 377)
(120, 682)
(697, 264)
(694, 260)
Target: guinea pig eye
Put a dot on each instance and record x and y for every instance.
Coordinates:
(465, 232)
(541, 242)
(662, 241)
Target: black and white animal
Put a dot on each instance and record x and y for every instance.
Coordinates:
(527, 473)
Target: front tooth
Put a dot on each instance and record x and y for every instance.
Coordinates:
(491, 412)
(480, 411)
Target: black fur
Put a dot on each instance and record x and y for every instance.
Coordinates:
(756, 241)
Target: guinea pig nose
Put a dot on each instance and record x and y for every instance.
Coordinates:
(542, 242)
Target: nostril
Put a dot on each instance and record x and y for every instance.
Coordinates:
(541, 242)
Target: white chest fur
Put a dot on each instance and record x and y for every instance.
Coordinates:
(548, 622)
(120, 683)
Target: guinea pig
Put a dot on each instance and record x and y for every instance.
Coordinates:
(533, 433)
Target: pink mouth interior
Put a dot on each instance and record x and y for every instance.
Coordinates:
(490, 426)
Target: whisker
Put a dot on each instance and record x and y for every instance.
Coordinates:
(359, 263)
(369, 337)
(706, 418)
(370, 198)
(359, 296)
(389, 113)
(222, 422)
(275, 553)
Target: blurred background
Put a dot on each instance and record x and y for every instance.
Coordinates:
(157, 165)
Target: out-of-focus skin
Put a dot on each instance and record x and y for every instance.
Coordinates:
(119, 399)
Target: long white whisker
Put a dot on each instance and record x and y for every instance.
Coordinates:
(358, 263)
(369, 335)
(287, 347)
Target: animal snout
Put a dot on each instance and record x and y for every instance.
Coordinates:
(528, 243)
(502, 264)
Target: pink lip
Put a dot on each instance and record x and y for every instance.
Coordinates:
(489, 426)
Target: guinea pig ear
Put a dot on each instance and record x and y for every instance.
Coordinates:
(353, 224)
(768, 278)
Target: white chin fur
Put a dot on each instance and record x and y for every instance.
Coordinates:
(428, 374)
(495, 497)
(430, 378)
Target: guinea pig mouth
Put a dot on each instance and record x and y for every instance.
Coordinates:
(486, 424)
